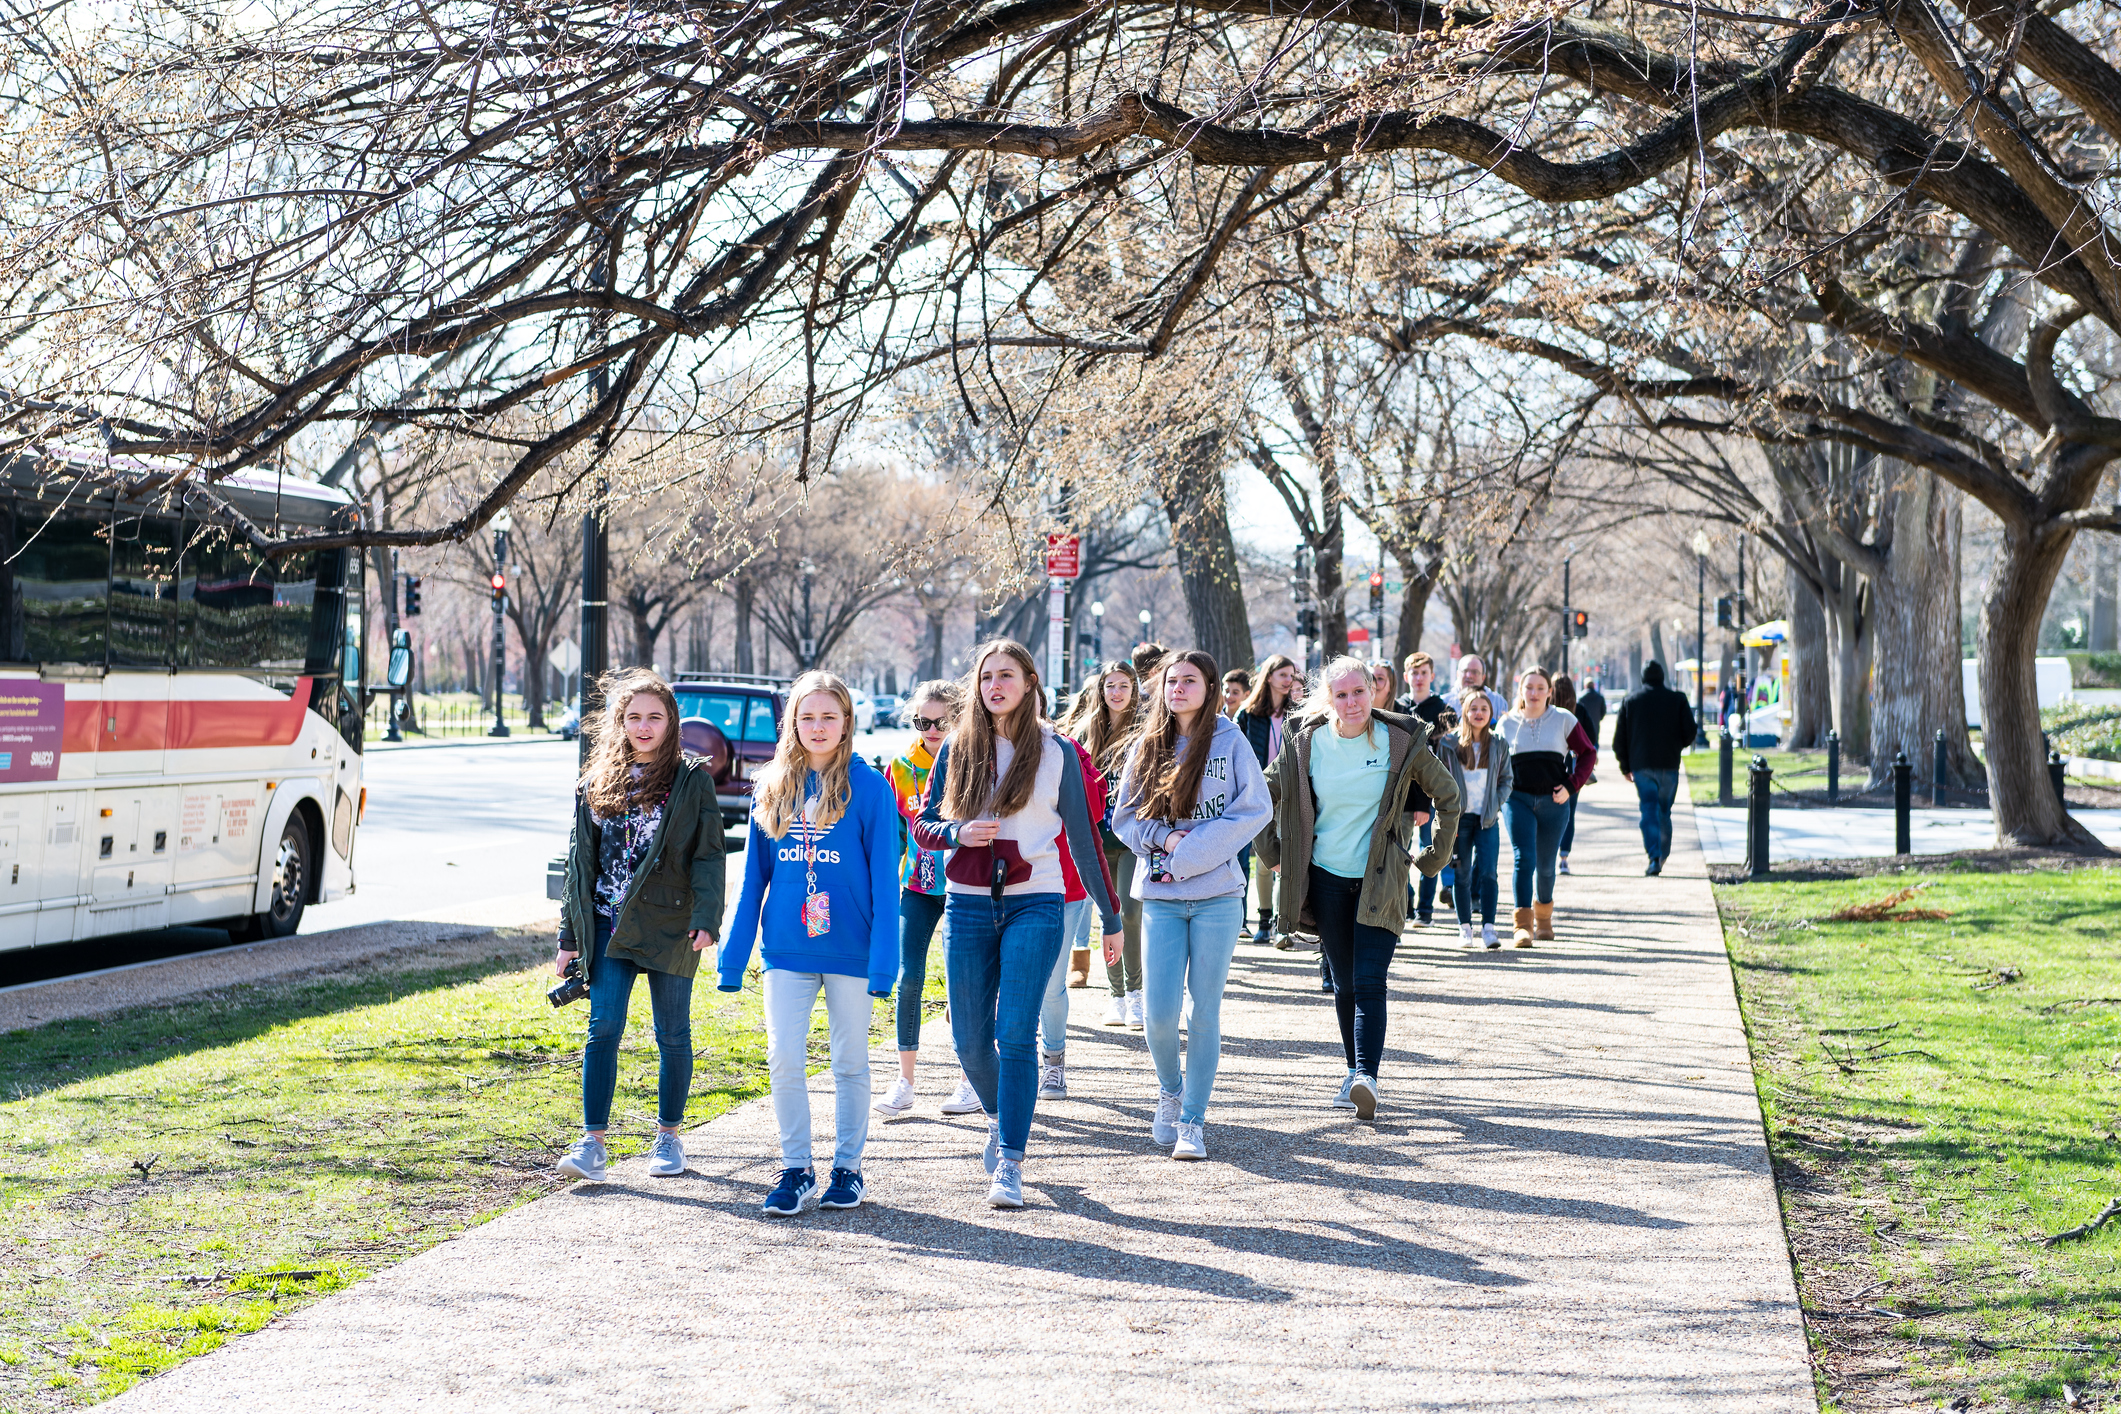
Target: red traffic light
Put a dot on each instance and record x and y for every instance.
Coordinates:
(1377, 579)
(500, 582)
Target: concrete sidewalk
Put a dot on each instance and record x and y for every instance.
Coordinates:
(1851, 833)
(1564, 1204)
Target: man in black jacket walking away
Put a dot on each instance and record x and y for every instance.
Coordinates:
(1654, 726)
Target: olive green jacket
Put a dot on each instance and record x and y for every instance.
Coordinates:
(1286, 842)
(677, 889)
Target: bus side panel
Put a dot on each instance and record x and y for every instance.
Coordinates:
(313, 789)
(21, 852)
(61, 875)
(129, 833)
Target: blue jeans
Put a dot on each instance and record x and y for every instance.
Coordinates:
(1655, 792)
(791, 1000)
(1568, 831)
(999, 955)
(1053, 1012)
(670, 1000)
(1421, 888)
(1536, 823)
(1187, 946)
(918, 914)
(1358, 958)
(1473, 870)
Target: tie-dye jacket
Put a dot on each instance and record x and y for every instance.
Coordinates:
(920, 870)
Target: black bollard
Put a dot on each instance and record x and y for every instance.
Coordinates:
(1938, 770)
(1723, 766)
(1758, 781)
(2055, 773)
(1902, 842)
(1833, 767)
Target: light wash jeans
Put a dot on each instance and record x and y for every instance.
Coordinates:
(791, 997)
(1187, 945)
(998, 956)
(1053, 1011)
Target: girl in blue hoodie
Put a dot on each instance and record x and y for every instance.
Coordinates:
(821, 876)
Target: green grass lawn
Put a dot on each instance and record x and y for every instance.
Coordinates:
(1940, 1094)
(1794, 770)
(179, 1174)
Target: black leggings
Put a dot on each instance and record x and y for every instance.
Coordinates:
(1360, 957)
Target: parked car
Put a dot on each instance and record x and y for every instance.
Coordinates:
(864, 710)
(887, 709)
(733, 726)
(570, 726)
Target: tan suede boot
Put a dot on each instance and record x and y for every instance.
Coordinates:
(1521, 934)
(1079, 968)
(1543, 922)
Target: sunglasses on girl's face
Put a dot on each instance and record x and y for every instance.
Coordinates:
(930, 724)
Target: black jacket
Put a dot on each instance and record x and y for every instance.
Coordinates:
(1430, 709)
(1654, 726)
(1259, 730)
(1590, 710)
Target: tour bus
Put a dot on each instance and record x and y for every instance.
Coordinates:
(180, 718)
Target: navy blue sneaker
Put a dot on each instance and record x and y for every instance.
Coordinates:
(786, 1199)
(845, 1192)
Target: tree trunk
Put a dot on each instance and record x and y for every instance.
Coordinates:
(932, 665)
(1916, 684)
(1810, 705)
(1848, 645)
(1196, 506)
(643, 633)
(742, 593)
(1413, 608)
(1657, 654)
(2027, 811)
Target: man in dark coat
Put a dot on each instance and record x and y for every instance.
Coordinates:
(1654, 726)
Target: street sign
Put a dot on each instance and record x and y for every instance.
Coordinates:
(1393, 586)
(1056, 621)
(565, 658)
(1358, 634)
(1064, 556)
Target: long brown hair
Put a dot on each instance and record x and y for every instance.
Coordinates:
(608, 783)
(1260, 702)
(1170, 784)
(972, 790)
(1564, 692)
(1475, 750)
(1092, 723)
(777, 794)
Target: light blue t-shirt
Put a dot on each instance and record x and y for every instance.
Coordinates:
(1348, 775)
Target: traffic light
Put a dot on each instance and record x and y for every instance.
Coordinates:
(500, 587)
(1307, 623)
(1579, 623)
(1377, 591)
(1726, 612)
(412, 596)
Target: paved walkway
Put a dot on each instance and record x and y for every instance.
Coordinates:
(1564, 1204)
(1847, 833)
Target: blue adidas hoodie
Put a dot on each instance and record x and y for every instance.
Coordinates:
(857, 865)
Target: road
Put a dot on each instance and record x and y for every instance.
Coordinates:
(457, 833)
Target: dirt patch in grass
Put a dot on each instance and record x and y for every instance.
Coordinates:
(174, 1176)
(1942, 1092)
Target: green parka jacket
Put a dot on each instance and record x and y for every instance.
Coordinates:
(677, 889)
(1286, 842)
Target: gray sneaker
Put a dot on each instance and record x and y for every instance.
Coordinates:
(586, 1160)
(1164, 1128)
(1192, 1142)
(1342, 1101)
(667, 1160)
(1363, 1091)
(992, 1154)
(1007, 1190)
(1053, 1082)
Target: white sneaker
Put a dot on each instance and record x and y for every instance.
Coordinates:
(1137, 1016)
(897, 1100)
(1467, 938)
(1053, 1081)
(1487, 936)
(1164, 1128)
(667, 1160)
(965, 1101)
(1347, 1083)
(1191, 1143)
(1362, 1090)
(1116, 1012)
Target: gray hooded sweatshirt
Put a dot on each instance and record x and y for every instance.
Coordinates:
(1232, 809)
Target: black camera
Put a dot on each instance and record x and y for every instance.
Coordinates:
(571, 987)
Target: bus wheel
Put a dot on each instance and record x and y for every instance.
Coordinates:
(290, 887)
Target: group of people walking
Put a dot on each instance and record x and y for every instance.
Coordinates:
(1164, 796)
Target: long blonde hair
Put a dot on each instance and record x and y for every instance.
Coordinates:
(1476, 750)
(1091, 722)
(608, 782)
(776, 798)
(972, 790)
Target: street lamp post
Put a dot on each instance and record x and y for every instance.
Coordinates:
(390, 605)
(1147, 618)
(1565, 606)
(809, 635)
(1701, 630)
(1097, 622)
(501, 526)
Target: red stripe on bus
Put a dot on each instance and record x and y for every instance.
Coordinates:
(83, 721)
(184, 725)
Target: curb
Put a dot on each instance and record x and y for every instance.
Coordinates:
(386, 746)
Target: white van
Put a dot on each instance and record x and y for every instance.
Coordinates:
(2051, 679)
